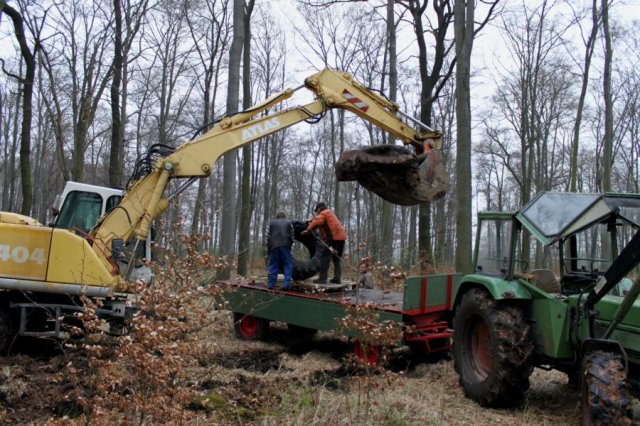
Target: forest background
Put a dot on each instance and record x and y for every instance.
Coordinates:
(552, 87)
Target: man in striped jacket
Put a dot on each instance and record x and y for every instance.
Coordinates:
(333, 234)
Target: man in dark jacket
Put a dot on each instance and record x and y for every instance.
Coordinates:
(279, 242)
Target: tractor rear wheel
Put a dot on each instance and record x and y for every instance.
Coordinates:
(248, 327)
(605, 397)
(491, 349)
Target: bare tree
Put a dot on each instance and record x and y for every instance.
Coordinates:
(27, 96)
(133, 17)
(229, 189)
(210, 31)
(534, 101)
(268, 62)
(607, 157)
(169, 76)
(117, 125)
(387, 222)
(9, 116)
(79, 69)
(245, 193)
(588, 53)
(332, 37)
(464, 23)
(433, 78)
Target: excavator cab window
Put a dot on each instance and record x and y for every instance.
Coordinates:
(112, 201)
(80, 210)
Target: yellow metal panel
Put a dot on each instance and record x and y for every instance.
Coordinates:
(24, 250)
(72, 260)
(18, 219)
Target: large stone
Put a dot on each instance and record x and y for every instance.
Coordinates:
(395, 173)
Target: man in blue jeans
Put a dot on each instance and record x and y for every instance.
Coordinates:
(279, 242)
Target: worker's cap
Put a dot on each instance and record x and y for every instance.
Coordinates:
(320, 206)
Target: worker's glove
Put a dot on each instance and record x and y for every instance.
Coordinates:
(333, 251)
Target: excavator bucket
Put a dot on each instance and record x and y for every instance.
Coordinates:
(395, 173)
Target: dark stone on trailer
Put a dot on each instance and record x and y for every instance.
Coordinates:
(304, 269)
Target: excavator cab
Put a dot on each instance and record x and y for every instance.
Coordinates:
(80, 205)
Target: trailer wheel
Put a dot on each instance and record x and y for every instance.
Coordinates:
(367, 354)
(604, 397)
(299, 331)
(7, 331)
(248, 327)
(491, 349)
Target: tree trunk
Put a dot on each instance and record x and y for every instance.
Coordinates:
(230, 187)
(607, 154)
(117, 125)
(27, 95)
(463, 25)
(387, 225)
(431, 81)
(575, 144)
(245, 192)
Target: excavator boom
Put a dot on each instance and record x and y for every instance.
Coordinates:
(145, 199)
(45, 271)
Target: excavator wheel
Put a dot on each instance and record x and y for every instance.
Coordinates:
(7, 331)
(395, 173)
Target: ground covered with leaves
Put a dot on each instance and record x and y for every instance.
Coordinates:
(283, 380)
(179, 362)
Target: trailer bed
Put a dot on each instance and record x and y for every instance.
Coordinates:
(424, 304)
(346, 293)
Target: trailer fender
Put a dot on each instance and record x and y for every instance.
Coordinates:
(497, 287)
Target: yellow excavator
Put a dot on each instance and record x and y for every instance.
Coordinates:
(44, 260)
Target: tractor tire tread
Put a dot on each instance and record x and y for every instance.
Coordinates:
(511, 347)
(605, 397)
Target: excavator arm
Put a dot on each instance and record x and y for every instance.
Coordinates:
(145, 199)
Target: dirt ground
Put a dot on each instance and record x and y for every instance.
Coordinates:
(285, 380)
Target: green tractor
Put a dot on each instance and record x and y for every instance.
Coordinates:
(551, 289)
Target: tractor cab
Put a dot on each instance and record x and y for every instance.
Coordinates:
(565, 241)
(556, 286)
(585, 231)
